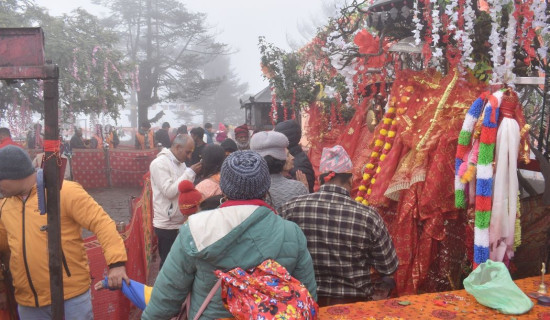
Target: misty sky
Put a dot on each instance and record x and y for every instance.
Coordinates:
(237, 23)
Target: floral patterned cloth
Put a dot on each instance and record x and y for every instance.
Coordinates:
(266, 292)
(443, 305)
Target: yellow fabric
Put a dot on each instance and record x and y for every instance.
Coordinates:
(78, 209)
(147, 291)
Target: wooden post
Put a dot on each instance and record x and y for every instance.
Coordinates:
(52, 183)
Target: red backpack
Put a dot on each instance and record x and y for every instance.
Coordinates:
(265, 292)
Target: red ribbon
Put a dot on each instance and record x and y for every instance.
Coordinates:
(329, 176)
(52, 145)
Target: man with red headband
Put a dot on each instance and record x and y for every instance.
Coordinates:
(242, 137)
(345, 238)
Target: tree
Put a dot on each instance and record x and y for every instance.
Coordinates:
(169, 44)
(90, 69)
(223, 104)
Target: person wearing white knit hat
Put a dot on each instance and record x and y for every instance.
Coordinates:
(272, 146)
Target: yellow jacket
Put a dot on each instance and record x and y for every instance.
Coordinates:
(22, 232)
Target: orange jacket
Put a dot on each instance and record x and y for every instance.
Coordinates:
(21, 231)
(140, 140)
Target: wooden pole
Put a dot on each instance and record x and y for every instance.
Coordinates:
(52, 183)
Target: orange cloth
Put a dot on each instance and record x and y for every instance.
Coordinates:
(441, 305)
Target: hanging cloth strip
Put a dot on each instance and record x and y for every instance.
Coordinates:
(503, 213)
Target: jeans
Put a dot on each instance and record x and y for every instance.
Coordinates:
(77, 308)
(166, 238)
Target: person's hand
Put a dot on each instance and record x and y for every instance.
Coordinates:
(300, 176)
(99, 285)
(197, 167)
(116, 276)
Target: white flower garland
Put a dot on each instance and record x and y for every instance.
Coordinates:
(418, 25)
(508, 66)
(467, 36)
(494, 39)
(337, 61)
(436, 25)
(539, 21)
(453, 15)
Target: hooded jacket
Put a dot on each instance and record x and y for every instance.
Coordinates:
(243, 236)
(22, 231)
(166, 174)
(292, 130)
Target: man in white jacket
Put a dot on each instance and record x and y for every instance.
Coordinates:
(167, 171)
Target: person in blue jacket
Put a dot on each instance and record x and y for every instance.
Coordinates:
(243, 232)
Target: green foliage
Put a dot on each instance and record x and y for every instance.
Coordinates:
(69, 43)
(286, 73)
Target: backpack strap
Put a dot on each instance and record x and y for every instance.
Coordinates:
(208, 298)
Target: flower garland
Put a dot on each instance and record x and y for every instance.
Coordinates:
(417, 23)
(484, 182)
(382, 145)
(463, 149)
(436, 25)
(525, 31)
(467, 36)
(273, 111)
(426, 51)
(494, 40)
(539, 9)
(508, 75)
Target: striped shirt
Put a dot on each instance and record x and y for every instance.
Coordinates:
(345, 239)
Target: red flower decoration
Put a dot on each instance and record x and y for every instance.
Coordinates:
(366, 42)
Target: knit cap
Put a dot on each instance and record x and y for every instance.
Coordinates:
(189, 198)
(15, 163)
(336, 160)
(244, 176)
(292, 130)
(269, 143)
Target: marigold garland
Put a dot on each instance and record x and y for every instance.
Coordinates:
(382, 145)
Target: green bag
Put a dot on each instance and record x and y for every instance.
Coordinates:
(490, 283)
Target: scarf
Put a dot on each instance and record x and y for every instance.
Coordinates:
(254, 202)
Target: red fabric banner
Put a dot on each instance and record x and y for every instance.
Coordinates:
(89, 168)
(139, 242)
(129, 166)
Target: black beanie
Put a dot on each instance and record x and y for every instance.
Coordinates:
(15, 163)
(292, 130)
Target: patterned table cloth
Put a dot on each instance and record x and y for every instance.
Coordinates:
(442, 305)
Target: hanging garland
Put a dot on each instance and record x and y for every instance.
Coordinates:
(495, 41)
(464, 148)
(508, 75)
(484, 181)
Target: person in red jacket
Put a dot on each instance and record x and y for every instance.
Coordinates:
(5, 138)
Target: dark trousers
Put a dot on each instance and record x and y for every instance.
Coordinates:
(166, 238)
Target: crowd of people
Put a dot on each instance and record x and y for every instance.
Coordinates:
(218, 204)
